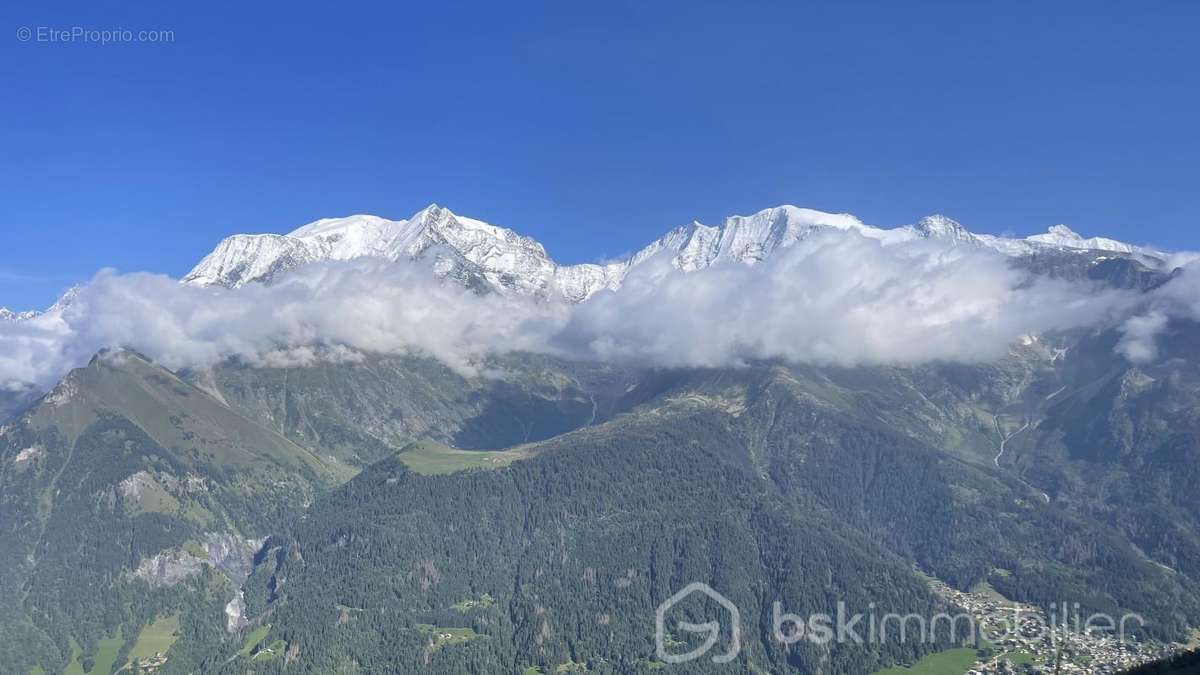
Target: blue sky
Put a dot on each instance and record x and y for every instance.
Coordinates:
(591, 126)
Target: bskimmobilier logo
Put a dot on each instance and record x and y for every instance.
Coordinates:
(1001, 623)
(710, 629)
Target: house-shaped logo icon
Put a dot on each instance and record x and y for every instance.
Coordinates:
(711, 629)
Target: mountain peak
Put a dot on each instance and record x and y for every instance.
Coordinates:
(431, 215)
(798, 216)
(328, 225)
(937, 226)
(118, 356)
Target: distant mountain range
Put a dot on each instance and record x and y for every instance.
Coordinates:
(496, 259)
(508, 262)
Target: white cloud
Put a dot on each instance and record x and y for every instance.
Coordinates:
(1178, 298)
(839, 298)
(836, 298)
(1139, 336)
(1181, 259)
(320, 311)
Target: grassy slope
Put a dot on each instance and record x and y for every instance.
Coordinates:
(254, 639)
(105, 656)
(431, 457)
(175, 414)
(949, 662)
(156, 638)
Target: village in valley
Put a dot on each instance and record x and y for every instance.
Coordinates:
(1018, 638)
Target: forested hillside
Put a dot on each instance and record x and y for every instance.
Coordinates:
(550, 506)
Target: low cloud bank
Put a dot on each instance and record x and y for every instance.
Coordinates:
(325, 310)
(838, 298)
(1179, 298)
(834, 299)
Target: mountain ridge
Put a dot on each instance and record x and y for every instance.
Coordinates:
(486, 256)
(514, 263)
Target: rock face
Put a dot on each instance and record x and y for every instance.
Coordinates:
(235, 613)
(28, 455)
(229, 553)
(168, 568)
(498, 259)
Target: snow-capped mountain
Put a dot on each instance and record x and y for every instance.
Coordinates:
(59, 305)
(476, 252)
(463, 247)
(1061, 235)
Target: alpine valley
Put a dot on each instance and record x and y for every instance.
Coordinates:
(388, 512)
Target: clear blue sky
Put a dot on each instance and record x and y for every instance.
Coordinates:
(593, 126)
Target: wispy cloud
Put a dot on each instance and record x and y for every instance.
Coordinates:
(1179, 298)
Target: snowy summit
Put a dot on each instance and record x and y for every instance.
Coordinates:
(480, 253)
